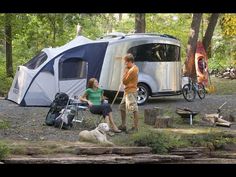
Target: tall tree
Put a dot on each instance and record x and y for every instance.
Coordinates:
(189, 69)
(140, 23)
(8, 39)
(209, 32)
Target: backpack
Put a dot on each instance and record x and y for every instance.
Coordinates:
(60, 101)
(64, 120)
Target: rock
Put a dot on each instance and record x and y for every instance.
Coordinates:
(95, 159)
(191, 152)
(112, 150)
(229, 147)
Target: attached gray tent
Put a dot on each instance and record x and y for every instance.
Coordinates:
(62, 69)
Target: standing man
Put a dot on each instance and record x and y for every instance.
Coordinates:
(129, 100)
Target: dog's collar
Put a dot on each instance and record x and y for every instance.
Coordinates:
(101, 131)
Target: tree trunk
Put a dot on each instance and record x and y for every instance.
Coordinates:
(8, 38)
(140, 23)
(163, 122)
(209, 32)
(191, 47)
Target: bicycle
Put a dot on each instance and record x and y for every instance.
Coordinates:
(189, 90)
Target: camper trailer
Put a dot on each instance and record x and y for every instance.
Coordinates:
(68, 68)
(158, 60)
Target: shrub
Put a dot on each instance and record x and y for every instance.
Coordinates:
(160, 142)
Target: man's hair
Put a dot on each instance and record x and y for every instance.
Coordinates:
(129, 57)
(91, 82)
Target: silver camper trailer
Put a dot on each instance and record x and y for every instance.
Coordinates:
(158, 59)
(68, 68)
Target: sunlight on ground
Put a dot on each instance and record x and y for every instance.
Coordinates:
(194, 130)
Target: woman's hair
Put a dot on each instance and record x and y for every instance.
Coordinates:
(129, 57)
(91, 82)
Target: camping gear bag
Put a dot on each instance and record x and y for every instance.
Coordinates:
(60, 101)
(64, 120)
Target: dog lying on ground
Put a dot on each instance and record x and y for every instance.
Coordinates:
(98, 135)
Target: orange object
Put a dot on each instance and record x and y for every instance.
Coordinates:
(201, 64)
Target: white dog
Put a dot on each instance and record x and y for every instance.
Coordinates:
(98, 135)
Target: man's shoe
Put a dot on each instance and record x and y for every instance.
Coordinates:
(132, 130)
(122, 128)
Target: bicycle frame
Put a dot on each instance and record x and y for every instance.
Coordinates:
(189, 90)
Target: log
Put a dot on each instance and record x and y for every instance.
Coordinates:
(211, 118)
(163, 122)
(151, 114)
(223, 124)
(217, 120)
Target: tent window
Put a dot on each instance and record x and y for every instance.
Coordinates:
(36, 61)
(72, 68)
(155, 52)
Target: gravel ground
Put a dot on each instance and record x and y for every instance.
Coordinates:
(27, 123)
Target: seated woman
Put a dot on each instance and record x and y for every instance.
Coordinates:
(94, 97)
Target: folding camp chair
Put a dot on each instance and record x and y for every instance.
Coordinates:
(82, 112)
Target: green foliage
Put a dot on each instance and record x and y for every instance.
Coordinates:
(4, 151)
(177, 25)
(228, 25)
(223, 46)
(33, 32)
(5, 83)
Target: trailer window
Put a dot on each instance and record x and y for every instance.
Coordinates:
(73, 68)
(36, 61)
(155, 52)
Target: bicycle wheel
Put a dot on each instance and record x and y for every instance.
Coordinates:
(188, 92)
(201, 91)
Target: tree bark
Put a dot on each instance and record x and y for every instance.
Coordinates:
(189, 69)
(8, 39)
(140, 23)
(209, 31)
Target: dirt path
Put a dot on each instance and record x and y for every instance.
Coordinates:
(27, 123)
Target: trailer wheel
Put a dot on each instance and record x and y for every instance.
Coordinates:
(143, 93)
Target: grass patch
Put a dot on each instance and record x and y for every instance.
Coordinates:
(4, 151)
(163, 141)
(210, 140)
(224, 86)
(4, 124)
